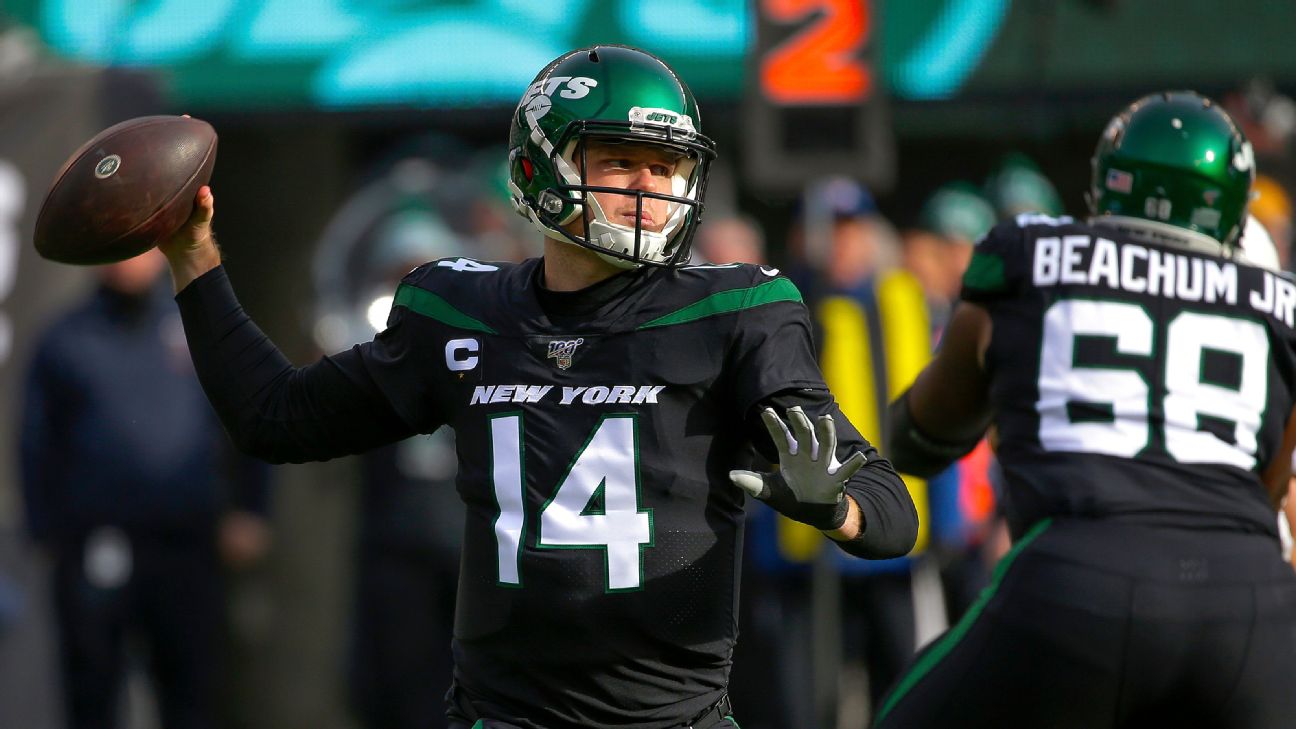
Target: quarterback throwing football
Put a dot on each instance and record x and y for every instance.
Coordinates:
(602, 397)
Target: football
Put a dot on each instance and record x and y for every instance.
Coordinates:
(125, 190)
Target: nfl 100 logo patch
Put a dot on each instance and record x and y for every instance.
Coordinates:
(561, 351)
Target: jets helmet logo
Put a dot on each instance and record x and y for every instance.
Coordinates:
(561, 351)
(641, 117)
(538, 98)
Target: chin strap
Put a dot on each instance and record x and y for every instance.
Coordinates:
(621, 238)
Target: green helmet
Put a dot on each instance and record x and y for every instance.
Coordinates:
(957, 211)
(1173, 166)
(1017, 186)
(612, 94)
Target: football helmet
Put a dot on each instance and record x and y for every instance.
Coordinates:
(612, 94)
(1173, 167)
(1017, 186)
(957, 211)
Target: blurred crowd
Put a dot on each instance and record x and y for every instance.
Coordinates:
(879, 283)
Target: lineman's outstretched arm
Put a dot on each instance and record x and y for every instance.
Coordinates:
(271, 409)
(947, 410)
(887, 520)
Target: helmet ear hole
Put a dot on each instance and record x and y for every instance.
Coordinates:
(528, 169)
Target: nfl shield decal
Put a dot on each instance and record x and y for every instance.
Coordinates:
(561, 351)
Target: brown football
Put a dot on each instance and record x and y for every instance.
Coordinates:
(125, 190)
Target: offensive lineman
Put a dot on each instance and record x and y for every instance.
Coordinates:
(600, 395)
(1141, 379)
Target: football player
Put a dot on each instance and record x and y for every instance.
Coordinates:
(1141, 377)
(602, 397)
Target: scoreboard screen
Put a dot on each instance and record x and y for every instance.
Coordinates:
(340, 54)
(337, 54)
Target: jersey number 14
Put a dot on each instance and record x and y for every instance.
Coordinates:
(596, 505)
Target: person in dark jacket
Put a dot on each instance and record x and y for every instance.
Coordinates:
(131, 488)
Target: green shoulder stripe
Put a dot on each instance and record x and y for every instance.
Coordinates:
(780, 289)
(985, 272)
(430, 305)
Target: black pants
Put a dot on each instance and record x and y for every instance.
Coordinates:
(462, 716)
(712, 723)
(1102, 624)
(725, 723)
(171, 606)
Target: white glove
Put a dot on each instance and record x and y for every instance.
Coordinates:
(810, 485)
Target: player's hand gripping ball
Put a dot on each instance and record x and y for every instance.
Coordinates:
(125, 190)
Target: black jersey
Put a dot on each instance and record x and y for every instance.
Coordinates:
(599, 574)
(1133, 380)
(595, 548)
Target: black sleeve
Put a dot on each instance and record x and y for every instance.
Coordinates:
(271, 409)
(773, 350)
(890, 519)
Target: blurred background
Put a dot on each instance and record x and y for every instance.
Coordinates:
(863, 146)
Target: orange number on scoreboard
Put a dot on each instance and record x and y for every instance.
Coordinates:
(821, 64)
